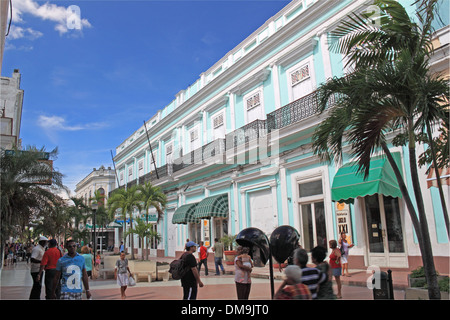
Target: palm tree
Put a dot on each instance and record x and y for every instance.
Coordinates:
(27, 184)
(152, 197)
(390, 91)
(144, 231)
(126, 200)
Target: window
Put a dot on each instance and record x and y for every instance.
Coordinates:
(301, 79)
(299, 75)
(219, 126)
(169, 151)
(253, 101)
(141, 167)
(312, 214)
(130, 171)
(194, 139)
(218, 121)
(194, 135)
(254, 105)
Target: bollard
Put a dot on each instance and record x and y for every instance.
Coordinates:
(383, 289)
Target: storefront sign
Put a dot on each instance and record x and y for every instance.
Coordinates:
(343, 218)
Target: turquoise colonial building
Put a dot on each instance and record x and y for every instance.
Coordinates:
(233, 150)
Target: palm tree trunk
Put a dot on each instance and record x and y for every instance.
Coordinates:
(427, 253)
(438, 178)
(146, 238)
(132, 236)
(424, 245)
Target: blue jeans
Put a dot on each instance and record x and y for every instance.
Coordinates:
(218, 262)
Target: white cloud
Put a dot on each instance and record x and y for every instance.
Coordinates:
(59, 123)
(19, 32)
(64, 19)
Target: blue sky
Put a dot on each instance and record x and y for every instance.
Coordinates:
(88, 89)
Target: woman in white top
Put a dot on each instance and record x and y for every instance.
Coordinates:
(343, 243)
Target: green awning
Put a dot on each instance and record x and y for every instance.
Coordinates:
(214, 206)
(348, 184)
(185, 214)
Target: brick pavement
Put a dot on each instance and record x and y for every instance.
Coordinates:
(16, 285)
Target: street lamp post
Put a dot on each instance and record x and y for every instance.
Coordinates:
(94, 207)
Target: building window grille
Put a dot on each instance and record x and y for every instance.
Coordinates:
(300, 75)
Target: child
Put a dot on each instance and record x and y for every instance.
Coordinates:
(120, 274)
(245, 257)
(98, 260)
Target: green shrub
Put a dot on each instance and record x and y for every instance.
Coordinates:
(420, 283)
(418, 273)
(444, 283)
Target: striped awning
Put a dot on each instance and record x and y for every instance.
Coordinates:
(185, 214)
(214, 206)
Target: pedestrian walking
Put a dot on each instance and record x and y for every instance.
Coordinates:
(36, 257)
(71, 269)
(88, 259)
(121, 274)
(203, 258)
(191, 280)
(28, 250)
(336, 267)
(345, 245)
(218, 256)
(292, 287)
(312, 277)
(121, 248)
(242, 277)
(48, 263)
(325, 291)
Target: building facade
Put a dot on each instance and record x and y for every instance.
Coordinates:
(11, 103)
(101, 180)
(233, 150)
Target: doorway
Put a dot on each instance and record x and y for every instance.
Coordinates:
(385, 238)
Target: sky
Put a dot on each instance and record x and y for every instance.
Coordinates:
(89, 83)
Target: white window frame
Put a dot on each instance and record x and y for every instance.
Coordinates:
(196, 137)
(250, 95)
(166, 147)
(289, 72)
(214, 127)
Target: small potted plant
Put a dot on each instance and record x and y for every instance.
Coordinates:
(228, 246)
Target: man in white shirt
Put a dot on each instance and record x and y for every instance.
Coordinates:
(36, 257)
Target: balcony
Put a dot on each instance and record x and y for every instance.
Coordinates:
(208, 153)
(296, 111)
(243, 135)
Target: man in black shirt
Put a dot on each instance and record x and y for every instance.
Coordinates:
(191, 279)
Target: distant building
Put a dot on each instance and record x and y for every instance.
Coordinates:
(4, 10)
(102, 180)
(11, 103)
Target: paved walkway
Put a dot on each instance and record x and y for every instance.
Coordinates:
(16, 284)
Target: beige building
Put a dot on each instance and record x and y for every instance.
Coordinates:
(103, 180)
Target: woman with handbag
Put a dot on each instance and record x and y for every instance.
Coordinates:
(335, 264)
(121, 274)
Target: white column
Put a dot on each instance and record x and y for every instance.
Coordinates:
(232, 112)
(323, 35)
(276, 84)
(284, 197)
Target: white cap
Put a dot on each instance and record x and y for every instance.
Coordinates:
(42, 238)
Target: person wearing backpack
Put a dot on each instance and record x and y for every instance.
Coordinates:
(190, 281)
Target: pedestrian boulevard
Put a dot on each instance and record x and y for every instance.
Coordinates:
(16, 284)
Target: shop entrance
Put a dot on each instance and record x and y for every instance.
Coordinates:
(384, 232)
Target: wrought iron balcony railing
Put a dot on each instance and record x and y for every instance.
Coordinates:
(200, 155)
(296, 111)
(243, 135)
